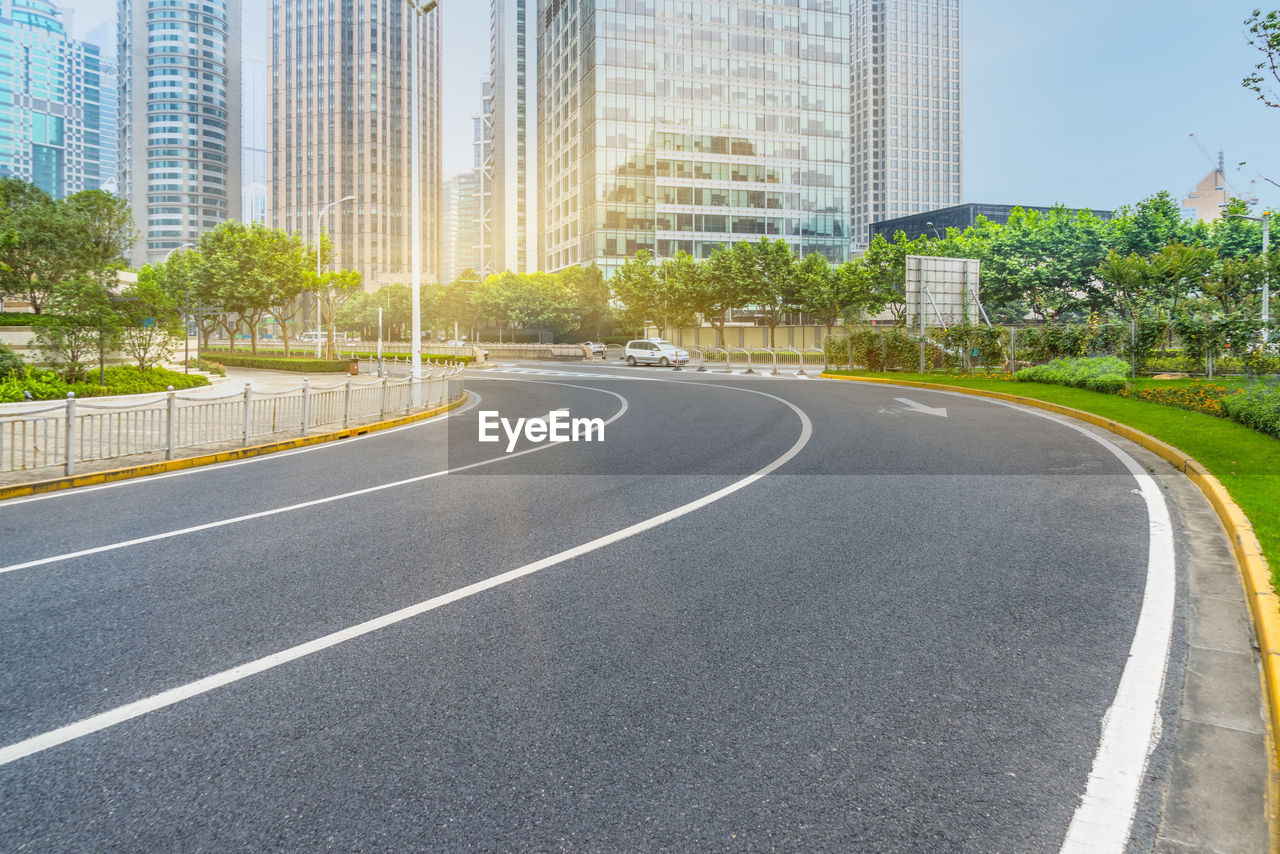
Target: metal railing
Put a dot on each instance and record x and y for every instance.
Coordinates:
(83, 430)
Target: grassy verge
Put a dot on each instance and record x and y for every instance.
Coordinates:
(1247, 462)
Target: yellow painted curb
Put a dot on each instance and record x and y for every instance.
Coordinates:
(94, 478)
(1264, 605)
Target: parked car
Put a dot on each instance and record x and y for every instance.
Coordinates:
(654, 351)
(595, 349)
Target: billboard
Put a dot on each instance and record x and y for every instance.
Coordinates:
(941, 291)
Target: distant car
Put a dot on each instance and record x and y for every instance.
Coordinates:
(654, 352)
(595, 349)
(456, 343)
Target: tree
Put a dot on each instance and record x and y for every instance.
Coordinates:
(591, 295)
(285, 267)
(881, 272)
(818, 289)
(231, 272)
(1264, 35)
(333, 290)
(712, 288)
(104, 227)
(776, 287)
(635, 285)
(37, 244)
(149, 321)
(79, 324)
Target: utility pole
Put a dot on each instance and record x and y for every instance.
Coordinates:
(319, 220)
(1265, 219)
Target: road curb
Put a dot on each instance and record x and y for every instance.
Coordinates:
(94, 478)
(1264, 605)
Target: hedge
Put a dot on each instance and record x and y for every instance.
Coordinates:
(307, 364)
(1106, 374)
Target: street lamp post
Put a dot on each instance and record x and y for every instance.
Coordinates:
(1265, 219)
(415, 179)
(935, 230)
(186, 338)
(319, 219)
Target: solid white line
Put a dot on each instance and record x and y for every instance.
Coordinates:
(263, 458)
(221, 523)
(1131, 726)
(118, 715)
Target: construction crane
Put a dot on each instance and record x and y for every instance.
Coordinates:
(1220, 179)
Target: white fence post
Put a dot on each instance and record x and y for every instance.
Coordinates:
(382, 410)
(70, 467)
(306, 403)
(346, 404)
(169, 425)
(248, 390)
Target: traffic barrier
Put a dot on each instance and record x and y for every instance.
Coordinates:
(84, 430)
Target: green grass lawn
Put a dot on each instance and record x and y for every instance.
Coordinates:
(1247, 462)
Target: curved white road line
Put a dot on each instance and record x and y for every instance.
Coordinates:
(1131, 726)
(118, 715)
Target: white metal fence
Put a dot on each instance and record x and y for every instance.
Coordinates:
(71, 431)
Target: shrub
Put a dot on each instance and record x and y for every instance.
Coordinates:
(14, 318)
(123, 379)
(1197, 397)
(1257, 406)
(10, 363)
(206, 365)
(1099, 373)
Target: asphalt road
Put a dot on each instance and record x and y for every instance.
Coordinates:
(903, 636)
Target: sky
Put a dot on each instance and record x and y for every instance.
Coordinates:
(1089, 103)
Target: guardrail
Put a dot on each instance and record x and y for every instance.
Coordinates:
(83, 430)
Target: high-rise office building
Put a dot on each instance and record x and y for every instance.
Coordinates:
(104, 36)
(180, 119)
(460, 225)
(688, 124)
(253, 148)
(906, 110)
(513, 203)
(483, 165)
(339, 118)
(54, 130)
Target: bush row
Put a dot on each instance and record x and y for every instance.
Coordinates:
(310, 364)
(1257, 406)
(122, 379)
(1106, 374)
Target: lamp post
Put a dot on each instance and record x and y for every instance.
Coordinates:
(1265, 219)
(415, 179)
(319, 218)
(935, 230)
(186, 338)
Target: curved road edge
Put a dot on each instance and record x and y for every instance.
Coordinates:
(128, 472)
(1264, 604)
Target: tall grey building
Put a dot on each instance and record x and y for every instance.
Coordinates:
(104, 36)
(253, 148)
(57, 127)
(460, 225)
(512, 211)
(484, 167)
(339, 116)
(179, 119)
(906, 110)
(688, 124)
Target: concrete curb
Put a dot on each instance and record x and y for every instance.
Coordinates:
(94, 478)
(1264, 605)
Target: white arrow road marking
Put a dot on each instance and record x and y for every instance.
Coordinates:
(920, 407)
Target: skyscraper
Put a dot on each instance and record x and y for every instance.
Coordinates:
(180, 119)
(689, 124)
(906, 109)
(339, 119)
(460, 225)
(253, 149)
(512, 211)
(54, 130)
(104, 36)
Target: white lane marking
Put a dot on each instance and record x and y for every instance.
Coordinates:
(264, 458)
(1131, 726)
(127, 712)
(921, 408)
(124, 544)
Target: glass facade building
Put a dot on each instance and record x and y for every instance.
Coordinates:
(672, 125)
(56, 131)
(180, 119)
(512, 116)
(339, 125)
(906, 110)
